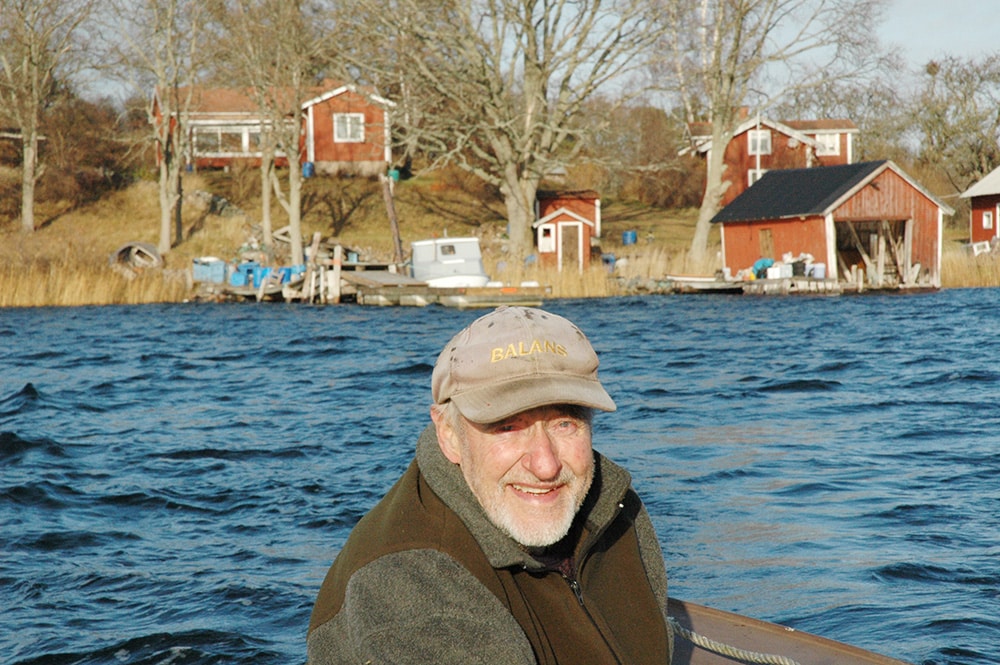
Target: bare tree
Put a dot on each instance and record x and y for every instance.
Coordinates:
(39, 43)
(877, 106)
(498, 87)
(276, 48)
(161, 44)
(956, 114)
(732, 53)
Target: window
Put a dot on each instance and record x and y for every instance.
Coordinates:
(829, 144)
(760, 141)
(987, 219)
(349, 127)
(546, 238)
(224, 140)
(753, 175)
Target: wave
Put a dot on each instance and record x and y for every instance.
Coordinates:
(193, 647)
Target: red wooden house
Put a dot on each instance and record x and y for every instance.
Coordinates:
(346, 129)
(984, 216)
(760, 144)
(568, 224)
(869, 219)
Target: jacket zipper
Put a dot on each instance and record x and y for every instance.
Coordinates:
(574, 585)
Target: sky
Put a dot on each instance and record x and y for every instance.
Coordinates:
(926, 29)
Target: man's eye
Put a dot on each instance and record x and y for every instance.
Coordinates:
(502, 426)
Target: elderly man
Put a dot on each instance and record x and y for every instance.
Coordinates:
(508, 539)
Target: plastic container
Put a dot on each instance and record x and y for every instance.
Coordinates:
(308, 170)
(259, 275)
(629, 237)
(209, 269)
(817, 271)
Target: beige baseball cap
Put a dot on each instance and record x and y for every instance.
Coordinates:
(515, 359)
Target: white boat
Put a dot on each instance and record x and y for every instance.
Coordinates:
(448, 263)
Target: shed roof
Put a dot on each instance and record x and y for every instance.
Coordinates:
(988, 186)
(784, 193)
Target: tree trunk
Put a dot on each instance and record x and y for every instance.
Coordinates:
(715, 187)
(28, 184)
(266, 170)
(166, 207)
(295, 210)
(178, 212)
(519, 197)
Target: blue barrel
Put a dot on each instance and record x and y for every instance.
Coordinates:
(308, 170)
(629, 238)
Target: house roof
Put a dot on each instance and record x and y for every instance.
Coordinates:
(842, 125)
(586, 194)
(209, 102)
(786, 193)
(701, 132)
(988, 186)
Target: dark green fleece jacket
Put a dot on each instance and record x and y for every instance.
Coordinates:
(425, 577)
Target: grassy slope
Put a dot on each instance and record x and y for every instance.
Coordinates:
(351, 212)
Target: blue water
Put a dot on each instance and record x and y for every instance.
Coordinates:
(175, 480)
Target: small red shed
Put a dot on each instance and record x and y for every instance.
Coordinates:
(869, 217)
(984, 216)
(568, 224)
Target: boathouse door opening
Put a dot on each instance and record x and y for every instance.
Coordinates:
(876, 253)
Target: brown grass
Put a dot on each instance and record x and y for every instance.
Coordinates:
(960, 269)
(65, 261)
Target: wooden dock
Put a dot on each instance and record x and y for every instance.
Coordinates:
(792, 286)
(330, 279)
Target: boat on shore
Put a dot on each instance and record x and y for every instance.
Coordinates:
(448, 263)
(707, 636)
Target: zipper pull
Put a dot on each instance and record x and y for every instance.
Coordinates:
(575, 586)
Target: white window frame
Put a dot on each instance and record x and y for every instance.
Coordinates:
(348, 127)
(759, 141)
(829, 143)
(987, 219)
(753, 175)
(547, 238)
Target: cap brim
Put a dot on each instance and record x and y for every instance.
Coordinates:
(495, 402)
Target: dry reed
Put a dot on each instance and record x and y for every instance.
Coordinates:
(960, 269)
(61, 284)
(65, 261)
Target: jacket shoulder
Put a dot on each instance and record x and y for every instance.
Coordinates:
(419, 606)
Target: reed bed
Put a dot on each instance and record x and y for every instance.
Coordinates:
(960, 269)
(633, 266)
(68, 284)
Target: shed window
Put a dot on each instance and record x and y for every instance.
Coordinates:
(753, 175)
(760, 141)
(987, 219)
(829, 144)
(349, 127)
(546, 239)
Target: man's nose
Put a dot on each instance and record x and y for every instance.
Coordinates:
(542, 457)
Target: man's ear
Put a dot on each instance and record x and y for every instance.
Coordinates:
(447, 436)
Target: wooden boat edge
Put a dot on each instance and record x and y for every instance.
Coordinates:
(755, 635)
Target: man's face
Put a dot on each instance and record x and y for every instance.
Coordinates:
(530, 472)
